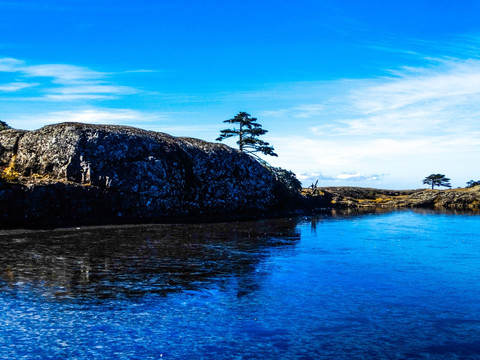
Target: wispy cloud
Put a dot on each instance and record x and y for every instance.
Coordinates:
(102, 116)
(10, 64)
(309, 110)
(63, 82)
(88, 91)
(16, 86)
(344, 177)
(70, 97)
(449, 80)
(91, 116)
(61, 73)
(304, 111)
(163, 122)
(441, 98)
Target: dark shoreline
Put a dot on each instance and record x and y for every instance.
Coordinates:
(73, 174)
(57, 212)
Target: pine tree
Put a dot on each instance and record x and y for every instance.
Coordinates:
(247, 132)
(473, 183)
(437, 180)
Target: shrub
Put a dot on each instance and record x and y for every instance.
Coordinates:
(4, 126)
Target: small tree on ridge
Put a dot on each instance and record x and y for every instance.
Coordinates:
(473, 183)
(247, 132)
(4, 126)
(437, 180)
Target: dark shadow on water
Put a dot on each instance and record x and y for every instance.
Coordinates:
(131, 261)
(349, 213)
(445, 211)
(464, 349)
(353, 212)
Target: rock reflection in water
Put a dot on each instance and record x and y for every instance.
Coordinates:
(129, 261)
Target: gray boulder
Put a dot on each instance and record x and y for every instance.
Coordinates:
(135, 174)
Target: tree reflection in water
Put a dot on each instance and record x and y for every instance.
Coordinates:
(130, 261)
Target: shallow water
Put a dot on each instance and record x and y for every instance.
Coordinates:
(389, 286)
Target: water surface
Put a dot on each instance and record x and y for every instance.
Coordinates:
(386, 286)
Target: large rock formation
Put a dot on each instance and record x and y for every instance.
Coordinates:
(75, 173)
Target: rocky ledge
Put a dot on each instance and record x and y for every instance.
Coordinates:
(368, 198)
(73, 173)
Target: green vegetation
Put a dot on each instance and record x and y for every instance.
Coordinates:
(437, 180)
(287, 178)
(4, 126)
(248, 132)
(473, 183)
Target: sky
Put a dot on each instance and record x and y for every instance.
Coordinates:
(352, 93)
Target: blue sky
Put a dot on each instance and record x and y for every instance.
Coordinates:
(361, 93)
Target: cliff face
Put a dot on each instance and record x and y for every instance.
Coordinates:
(69, 172)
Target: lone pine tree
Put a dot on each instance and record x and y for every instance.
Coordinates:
(247, 132)
(437, 180)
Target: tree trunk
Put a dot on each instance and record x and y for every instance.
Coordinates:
(241, 140)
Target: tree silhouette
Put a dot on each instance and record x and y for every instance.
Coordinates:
(4, 125)
(437, 180)
(473, 183)
(247, 132)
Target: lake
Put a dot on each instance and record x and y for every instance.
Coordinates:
(398, 285)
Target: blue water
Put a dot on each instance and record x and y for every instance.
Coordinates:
(401, 285)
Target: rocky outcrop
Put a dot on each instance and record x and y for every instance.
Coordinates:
(74, 173)
(9, 144)
(364, 198)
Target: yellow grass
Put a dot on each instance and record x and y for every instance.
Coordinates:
(9, 173)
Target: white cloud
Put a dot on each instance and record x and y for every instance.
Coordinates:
(64, 82)
(72, 97)
(61, 73)
(305, 111)
(91, 116)
(345, 177)
(16, 86)
(10, 64)
(308, 110)
(101, 116)
(441, 97)
(274, 113)
(163, 122)
(85, 92)
(444, 98)
(97, 89)
(401, 161)
(421, 120)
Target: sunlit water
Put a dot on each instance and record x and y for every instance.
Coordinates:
(401, 285)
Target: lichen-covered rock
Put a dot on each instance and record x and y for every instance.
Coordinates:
(9, 144)
(459, 199)
(139, 174)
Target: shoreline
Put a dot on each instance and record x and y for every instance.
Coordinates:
(359, 197)
(331, 201)
(72, 174)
